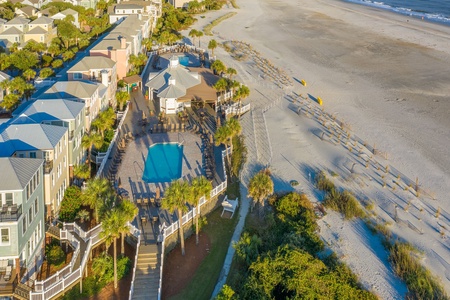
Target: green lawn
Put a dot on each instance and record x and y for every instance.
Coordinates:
(205, 278)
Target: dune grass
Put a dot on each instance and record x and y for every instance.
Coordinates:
(208, 28)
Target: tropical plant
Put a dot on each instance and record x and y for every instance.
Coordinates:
(83, 216)
(231, 72)
(129, 212)
(259, 188)
(113, 224)
(200, 187)
(81, 171)
(226, 293)
(212, 45)
(101, 266)
(221, 85)
(29, 73)
(98, 194)
(10, 101)
(90, 140)
(175, 197)
(218, 67)
(122, 97)
(104, 120)
(46, 72)
(247, 248)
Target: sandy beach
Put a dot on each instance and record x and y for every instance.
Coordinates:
(385, 76)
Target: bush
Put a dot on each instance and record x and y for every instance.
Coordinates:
(345, 203)
(55, 255)
(421, 284)
(71, 204)
(103, 268)
(323, 183)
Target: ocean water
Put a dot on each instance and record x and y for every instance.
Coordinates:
(430, 10)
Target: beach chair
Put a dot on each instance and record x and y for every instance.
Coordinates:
(8, 273)
(138, 201)
(145, 201)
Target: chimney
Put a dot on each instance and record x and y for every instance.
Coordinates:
(172, 81)
(123, 42)
(105, 79)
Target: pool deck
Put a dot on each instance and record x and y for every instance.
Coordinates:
(133, 162)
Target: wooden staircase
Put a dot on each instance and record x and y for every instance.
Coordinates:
(146, 280)
(22, 292)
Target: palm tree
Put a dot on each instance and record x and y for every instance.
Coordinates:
(29, 73)
(97, 194)
(101, 265)
(90, 140)
(129, 212)
(122, 97)
(231, 72)
(259, 188)
(81, 171)
(222, 136)
(200, 187)
(199, 35)
(218, 67)
(10, 101)
(193, 34)
(221, 85)
(234, 128)
(175, 198)
(104, 120)
(212, 45)
(113, 224)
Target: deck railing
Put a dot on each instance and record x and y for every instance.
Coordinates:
(137, 233)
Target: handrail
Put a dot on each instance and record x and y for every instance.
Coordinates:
(135, 230)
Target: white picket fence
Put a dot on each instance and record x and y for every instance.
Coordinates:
(236, 110)
(57, 283)
(167, 231)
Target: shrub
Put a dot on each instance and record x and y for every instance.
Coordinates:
(239, 155)
(323, 183)
(55, 255)
(71, 204)
(123, 267)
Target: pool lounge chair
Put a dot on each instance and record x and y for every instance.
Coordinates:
(8, 273)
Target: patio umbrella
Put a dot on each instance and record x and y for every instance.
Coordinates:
(119, 183)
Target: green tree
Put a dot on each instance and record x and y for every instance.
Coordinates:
(23, 60)
(231, 72)
(224, 135)
(101, 266)
(248, 247)
(221, 86)
(199, 35)
(5, 61)
(113, 224)
(68, 55)
(259, 188)
(200, 187)
(10, 101)
(90, 140)
(226, 293)
(104, 121)
(212, 45)
(175, 198)
(29, 73)
(71, 204)
(218, 67)
(57, 63)
(81, 172)
(46, 72)
(97, 194)
(129, 212)
(122, 97)
(193, 34)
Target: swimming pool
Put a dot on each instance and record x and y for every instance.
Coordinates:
(163, 163)
(184, 60)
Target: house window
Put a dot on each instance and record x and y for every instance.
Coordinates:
(5, 236)
(30, 215)
(36, 207)
(42, 38)
(77, 76)
(32, 154)
(9, 199)
(24, 225)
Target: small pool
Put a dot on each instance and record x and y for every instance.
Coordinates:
(163, 163)
(184, 60)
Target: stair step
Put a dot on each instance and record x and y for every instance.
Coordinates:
(147, 271)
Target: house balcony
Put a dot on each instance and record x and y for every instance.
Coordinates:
(10, 213)
(48, 166)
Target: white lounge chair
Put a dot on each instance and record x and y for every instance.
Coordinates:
(8, 273)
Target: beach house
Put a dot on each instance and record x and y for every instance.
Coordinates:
(22, 217)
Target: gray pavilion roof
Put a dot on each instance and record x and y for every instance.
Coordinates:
(11, 31)
(37, 30)
(172, 91)
(18, 21)
(70, 90)
(17, 172)
(92, 62)
(49, 110)
(184, 79)
(26, 137)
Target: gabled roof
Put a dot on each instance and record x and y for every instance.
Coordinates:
(11, 31)
(128, 6)
(25, 137)
(3, 21)
(18, 21)
(42, 20)
(50, 110)
(37, 30)
(69, 11)
(17, 172)
(182, 76)
(92, 62)
(70, 90)
(28, 10)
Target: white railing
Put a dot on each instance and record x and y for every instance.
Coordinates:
(113, 141)
(187, 217)
(237, 110)
(225, 96)
(134, 231)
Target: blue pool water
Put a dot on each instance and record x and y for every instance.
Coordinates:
(163, 163)
(184, 60)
